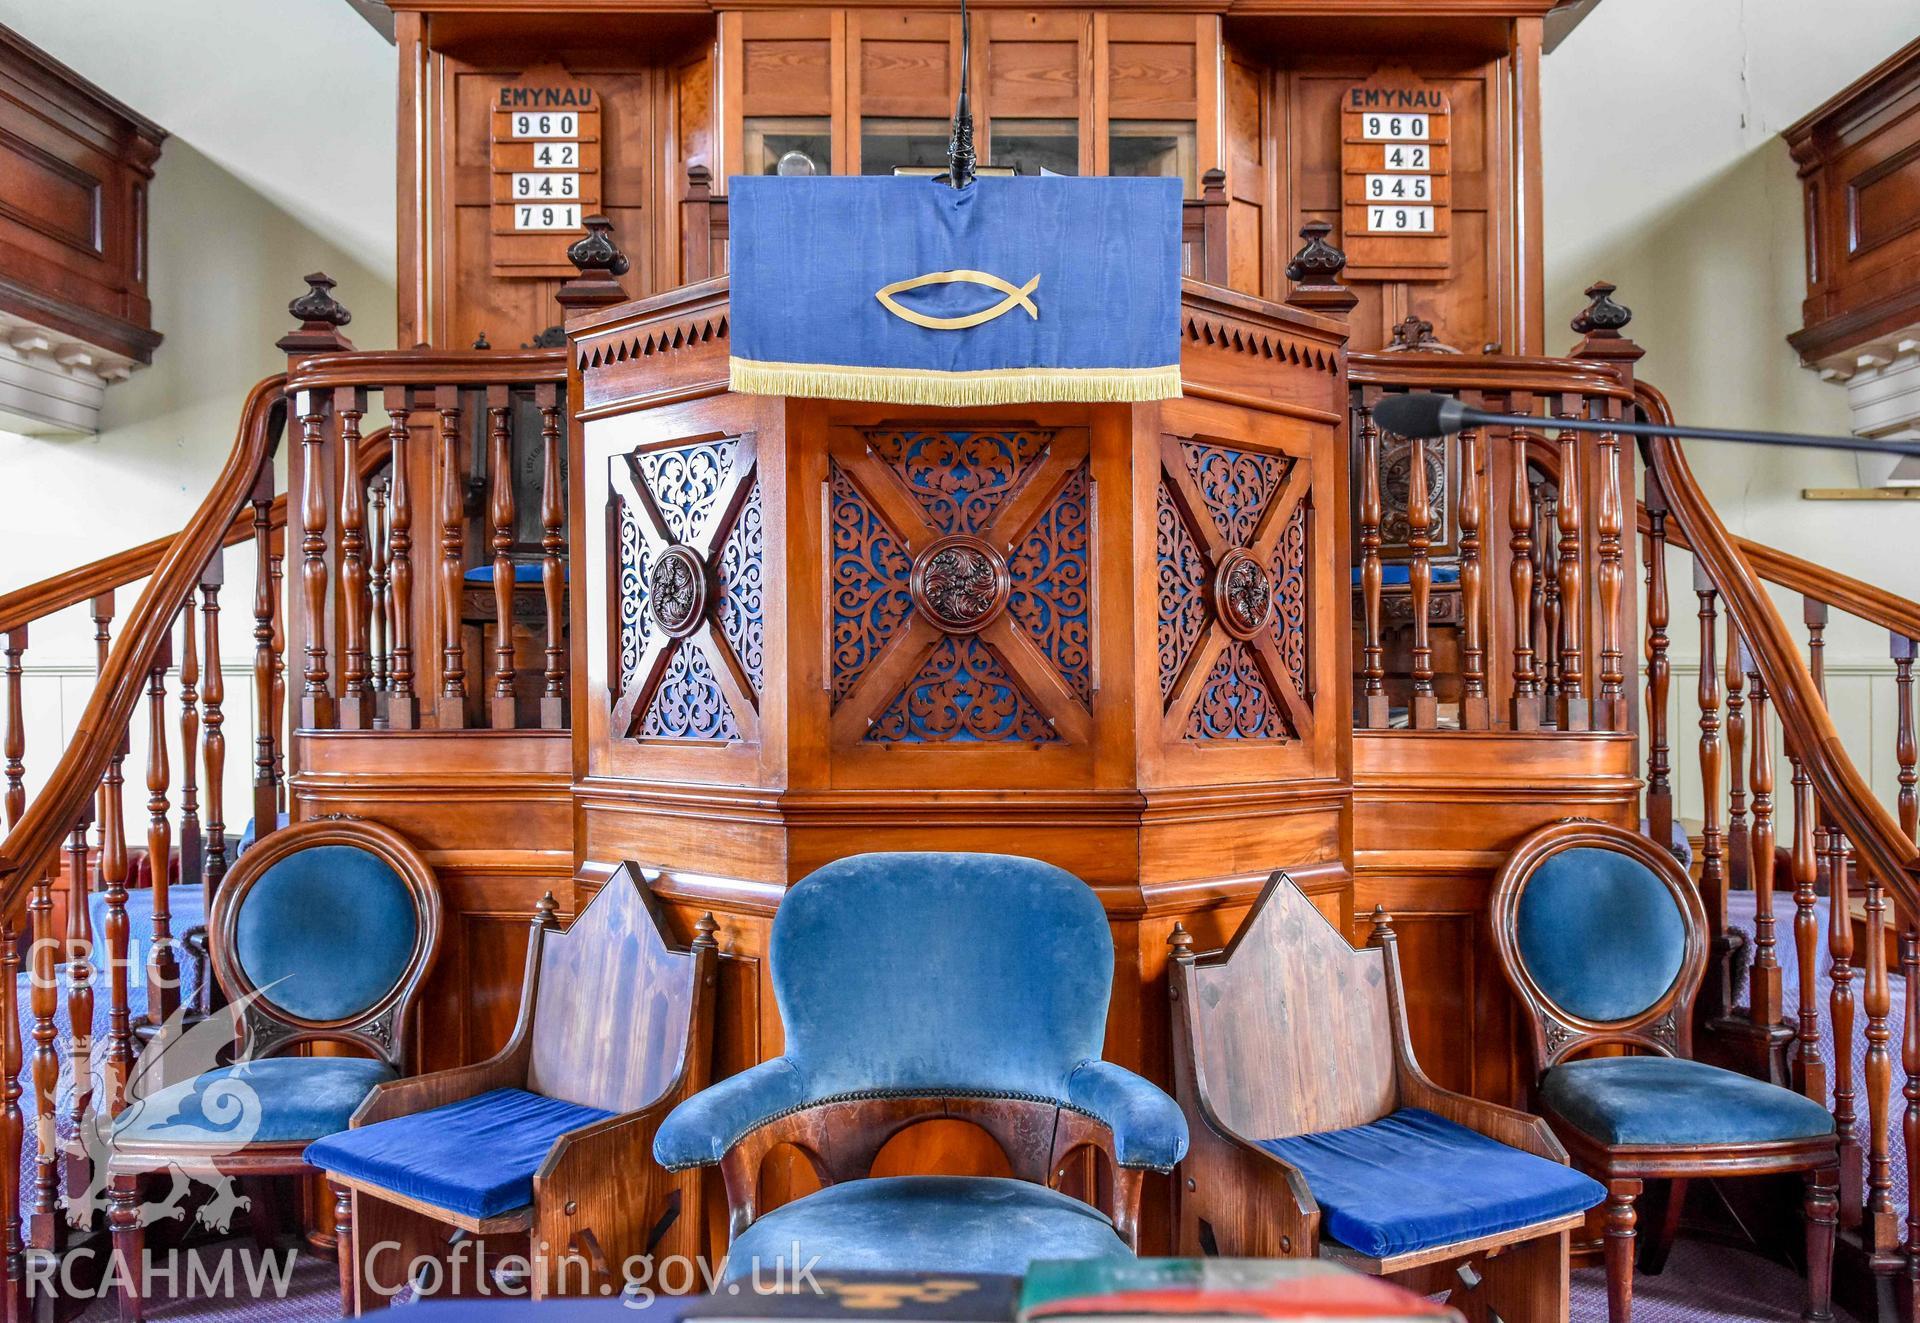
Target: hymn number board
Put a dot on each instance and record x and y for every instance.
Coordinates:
(546, 172)
(1395, 193)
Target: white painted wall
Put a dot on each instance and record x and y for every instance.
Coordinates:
(280, 163)
(1665, 173)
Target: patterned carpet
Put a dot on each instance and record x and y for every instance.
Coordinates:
(1702, 1284)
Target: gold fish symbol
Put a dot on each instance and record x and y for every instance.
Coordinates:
(1016, 298)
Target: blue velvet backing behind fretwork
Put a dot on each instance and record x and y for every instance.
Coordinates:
(942, 971)
(1659, 1100)
(1600, 933)
(1412, 1180)
(331, 928)
(476, 1156)
(969, 1224)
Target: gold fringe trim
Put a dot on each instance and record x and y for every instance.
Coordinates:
(953, 390)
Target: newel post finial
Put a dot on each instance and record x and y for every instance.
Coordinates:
(600, 263)
(544, 912)
(1383, 934)
(1315, 273)
(1599, 326)
(320, 316)
(703, 930)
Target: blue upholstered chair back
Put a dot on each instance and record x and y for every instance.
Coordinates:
(332, 925)
(1602, 934)
(928, 973)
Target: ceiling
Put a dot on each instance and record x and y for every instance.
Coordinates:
(296, 98)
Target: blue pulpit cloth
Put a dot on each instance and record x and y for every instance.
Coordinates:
(906, 291)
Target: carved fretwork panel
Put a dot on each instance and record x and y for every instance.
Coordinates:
(1231, 546)
(689, 591)
(960, 585)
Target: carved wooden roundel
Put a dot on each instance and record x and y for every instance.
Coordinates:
(960, 583)
(677, 591)
(1242, 593)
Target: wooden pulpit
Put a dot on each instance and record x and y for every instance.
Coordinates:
(1110, 636)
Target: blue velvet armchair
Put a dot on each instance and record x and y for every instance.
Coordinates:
(914, 987)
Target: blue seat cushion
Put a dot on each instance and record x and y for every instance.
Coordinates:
(276, 1100)
(971, 1224)
(475, 1157)
(1660, 1100)
(525, 572)
(1399, 573)
(1413, 1180)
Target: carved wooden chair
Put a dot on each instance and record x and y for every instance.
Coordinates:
(1315, 1132)
(1604, 941)
(922, 986)
(323, 933)
(550, 1138)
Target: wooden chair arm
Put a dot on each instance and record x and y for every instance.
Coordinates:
(1515, 1129)
(600, 1195)
(1255, 1204)
(423, 1093)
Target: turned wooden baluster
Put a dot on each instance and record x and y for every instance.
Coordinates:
(163, 969)
(316, 695)
(356, 704)
(500, 512)
(1373, 696)
(1766, 1000)
(113, 885)
(1906, 748)
(79, 1167)
(1526, 679)
(1475, 711)
(1910, 1122)
(1739, 855)
(1809, 1071)
(1659, 668)
(277, 566)
(1422, 710)
(553, 543)
(451, 711)
(380, 620)
(44, 1224)
(191, 843)
(1713, 872)
(402, 707)
(12, 1123)
(263, 653)
(1882, 1226)
(1611, 576)
(1575, 712)
(213, 747)
(1547, 626)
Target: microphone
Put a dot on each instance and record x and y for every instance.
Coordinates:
(1422, 414)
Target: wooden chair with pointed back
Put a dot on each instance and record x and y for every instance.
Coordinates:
(1316, 1133)
(323, 933)
(552, 1137)
(1604, 941)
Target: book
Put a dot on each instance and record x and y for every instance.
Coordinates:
(887, 1297)
(1157, 1290)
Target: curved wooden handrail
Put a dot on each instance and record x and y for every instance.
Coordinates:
(103, 724)
(36, 601)
(428, 367)
(1508, 373)
(1844, 791)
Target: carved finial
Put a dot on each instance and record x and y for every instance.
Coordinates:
(480, 341)
(545, 910)
(554, 337)
(600, 263)
(1415, 335)
(699, 182)
(1180, 942)
(1315, 273)
(320, 316)
(1602, 316)
(1382, 927)
(703, 930)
